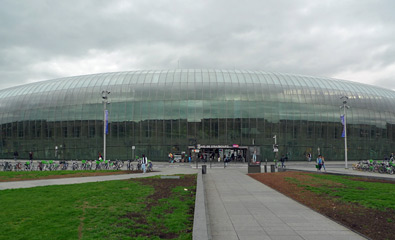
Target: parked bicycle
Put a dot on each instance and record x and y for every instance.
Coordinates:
(375, 166)
(129, 165)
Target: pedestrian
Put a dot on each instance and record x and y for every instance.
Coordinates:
(144, 162)
(319, 163)
(309, 157)
(189, 158)
(16, 154)
(323, 162)
(282, 159)
(254, 157)
(30, 156)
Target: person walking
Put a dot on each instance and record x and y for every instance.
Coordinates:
(282, 160)
(319, 163)
(144, 162)
(323, 163)
(309, 157)
(254, 157)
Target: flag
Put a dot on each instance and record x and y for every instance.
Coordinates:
(106, 121)
(342, 120)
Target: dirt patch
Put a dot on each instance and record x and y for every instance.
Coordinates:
(373, 223)
(72, 175)
(163, 189)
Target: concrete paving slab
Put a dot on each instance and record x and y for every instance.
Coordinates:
(64, 181)
(239, 207)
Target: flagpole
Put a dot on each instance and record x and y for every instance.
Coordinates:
(345, 129)
(105, 121)
(345, 137)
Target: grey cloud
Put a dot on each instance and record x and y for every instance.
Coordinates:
(321, 38)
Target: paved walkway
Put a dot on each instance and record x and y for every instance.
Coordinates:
(338, 167)
(240, 207)
(62, 181)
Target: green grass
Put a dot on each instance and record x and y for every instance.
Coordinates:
(37, 174)
(369, 194)
(93, 211)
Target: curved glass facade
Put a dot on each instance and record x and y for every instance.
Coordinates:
(163, 111)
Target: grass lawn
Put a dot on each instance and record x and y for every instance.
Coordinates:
(147, 208)
(374, 195)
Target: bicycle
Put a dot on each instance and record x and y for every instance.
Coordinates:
(29, 166)
(83, 165)
(139, 165)
(129, 165)
(74, 165)
(64, 165)
(18, 167)
(7, 166)
(98, 165)
(150, 167)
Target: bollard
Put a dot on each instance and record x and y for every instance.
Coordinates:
(272, 168)
(265, 168)
(204, 169)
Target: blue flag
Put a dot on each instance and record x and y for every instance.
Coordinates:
(342, 120)
(106, 121)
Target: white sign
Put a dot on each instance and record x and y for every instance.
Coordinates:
(133, 147)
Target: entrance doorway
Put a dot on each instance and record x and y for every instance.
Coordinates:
(207, 153)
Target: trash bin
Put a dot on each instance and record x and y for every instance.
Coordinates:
(204, 169)
(272, 168)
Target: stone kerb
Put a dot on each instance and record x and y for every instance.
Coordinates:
(200, 230)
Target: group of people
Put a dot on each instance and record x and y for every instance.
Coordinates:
(320, 161)
(179, 158)
(16, 155)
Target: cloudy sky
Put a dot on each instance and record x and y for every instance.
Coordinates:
(350, 39)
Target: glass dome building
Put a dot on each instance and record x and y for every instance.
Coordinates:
(220, 111)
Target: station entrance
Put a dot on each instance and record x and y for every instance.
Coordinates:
(205, 153)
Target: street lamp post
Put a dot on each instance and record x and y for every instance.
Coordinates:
(275, 147)
(105, 94)
(344, 121)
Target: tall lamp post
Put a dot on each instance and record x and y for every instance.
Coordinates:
(104, 95)
(275, 147)
(344, 122)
